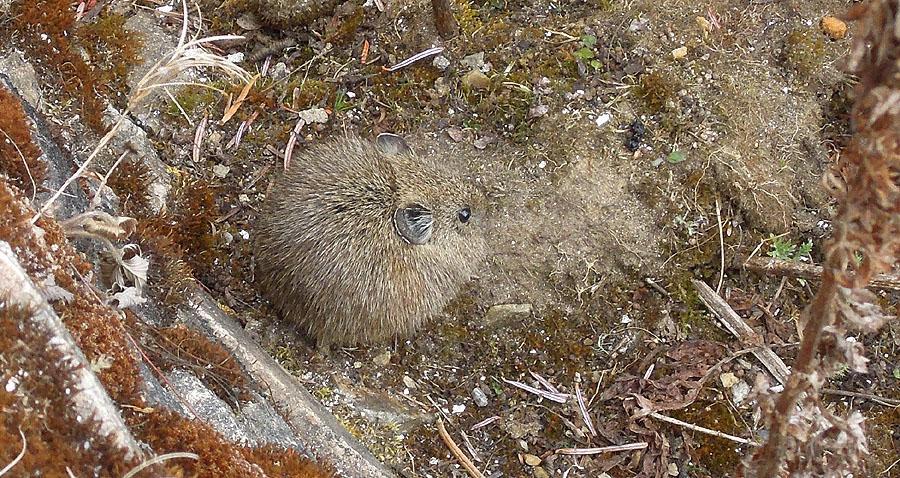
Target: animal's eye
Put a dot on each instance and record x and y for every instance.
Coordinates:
(464, 214)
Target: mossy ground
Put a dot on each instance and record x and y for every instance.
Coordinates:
(758, 86)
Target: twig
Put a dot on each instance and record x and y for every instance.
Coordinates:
(604, 449)
(443, 19)
(700, 429)
(485, 422)
(556, 397)
(584, 411)
(890, 402)
(95, 201)
(742, 331)
(454, 449)
(418, 56)
(160, 459)
(655, 285)
(812, 271)
(17, 458)
(25, 162)
(721, 248)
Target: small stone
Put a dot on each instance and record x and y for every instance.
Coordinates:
(457, 409)
(728, 379)
(474, 61)
(382, 359)
(740, 391)
(480, 398)
(538, 111)
(531, 460)
(220, 170)
(603, 119)
(833, 27)
(540, 473)
(502, 313)
(673, 469)
(477, 80)
(314, 115)
(441, 62)
(679, 53)
(409, 382)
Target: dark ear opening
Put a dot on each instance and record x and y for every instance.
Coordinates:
(391, 144)
(414, 224)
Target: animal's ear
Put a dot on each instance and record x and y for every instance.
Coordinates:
(414, 223)
(391, 144)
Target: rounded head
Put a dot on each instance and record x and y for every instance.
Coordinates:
(360, 242)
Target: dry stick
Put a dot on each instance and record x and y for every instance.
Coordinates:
(19, 457)
(103, 141)
(819, 315)
(96, 199)
(812, 272)
(604, 449)
(890, 402)
(700, 429)
(721, 247)
(443, 19)
(454, 448)
(742, 331)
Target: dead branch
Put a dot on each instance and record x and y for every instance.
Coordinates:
(697, 428)
(802, 270)
(454, 448)
(746, 335)
(443, 19)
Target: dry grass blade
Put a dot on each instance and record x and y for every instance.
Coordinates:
(18, 457)
(234, 107)
(584, 411)
(604, 449)
(555, 397)
(159, 459)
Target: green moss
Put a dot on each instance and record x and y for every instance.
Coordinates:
(467, 17)
(804, 51)
(658, 91)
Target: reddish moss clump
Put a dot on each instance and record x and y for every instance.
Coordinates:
(19, 156)
(48, 32)
(179, 346)
(38, 404)
(100, 333)
(167, 431)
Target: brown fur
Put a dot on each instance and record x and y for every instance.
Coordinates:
(330, 257)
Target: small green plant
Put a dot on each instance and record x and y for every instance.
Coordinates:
(786, 250)
(675, 157)
(586, 52)
(342, 102)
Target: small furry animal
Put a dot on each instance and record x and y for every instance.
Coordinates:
(359, 243)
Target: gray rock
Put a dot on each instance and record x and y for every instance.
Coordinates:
(59, 163)
(480, 398)
(22, 75)
(501, 314)
(131, 136)
(158, 42)
(209, 408)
